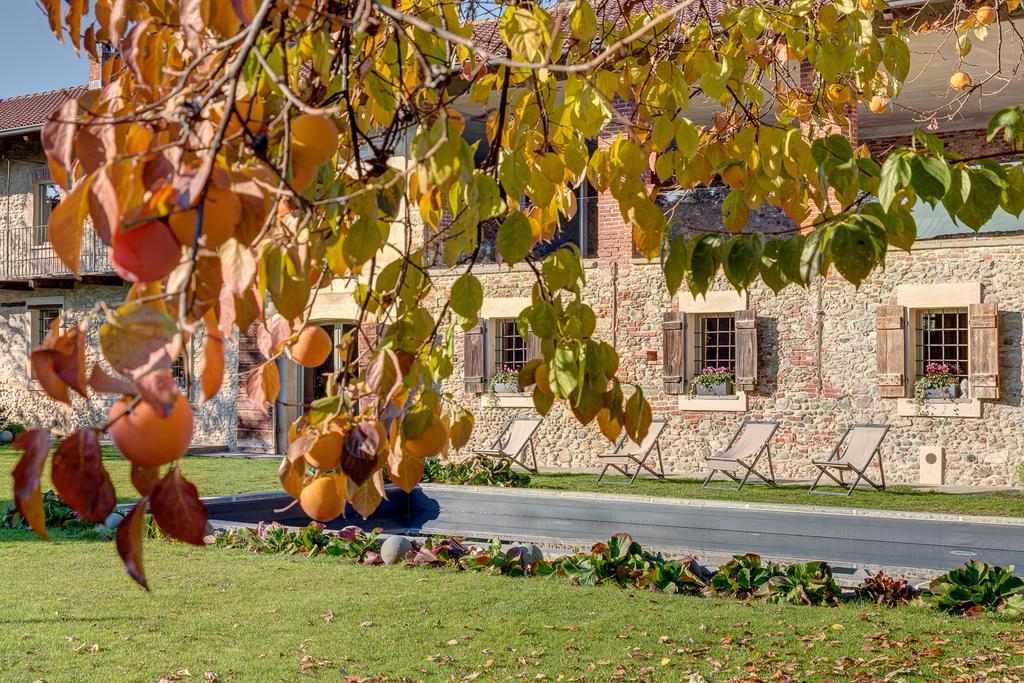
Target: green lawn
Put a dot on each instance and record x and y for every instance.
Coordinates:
(68, 612)
(212, 476)
(1003, 503)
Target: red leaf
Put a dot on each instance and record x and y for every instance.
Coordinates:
(178, 510)
(271, 336)
(262, 386)
(145, 479)
(80, 478)
(213, 359)
(60, 363)
(104, 383)
(35, 445)
(159, 390)
(131, 532)
(104, 205)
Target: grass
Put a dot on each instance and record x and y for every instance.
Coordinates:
(903, 498)
(69, 612)
(212, 476)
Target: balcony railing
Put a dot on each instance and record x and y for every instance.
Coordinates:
(25, 254)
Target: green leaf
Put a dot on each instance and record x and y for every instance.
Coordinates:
(515, 238)
(1010, 121)
(583, 22)
(856, 247)
(362, 241)
(983, 200)
(930, 178)
(467, 297)
(564, 372)
(895, 176)
(771, 267)
(676, 264)
(735, 213)
(900, 227)
(543, 320)
(637, 416)
(704, 261)
(1013, 195)
(742, 259)
(896, 57)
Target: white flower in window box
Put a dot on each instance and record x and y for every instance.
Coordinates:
(939, 382)
(505, 381)
(714, 381)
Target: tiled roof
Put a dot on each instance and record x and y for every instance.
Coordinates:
(36, 109)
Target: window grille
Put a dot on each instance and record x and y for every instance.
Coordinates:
(942, 338)
(714, 343)
(178, 371)
(46, 318)
(509, 347)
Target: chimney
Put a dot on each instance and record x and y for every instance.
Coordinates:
(96, 78)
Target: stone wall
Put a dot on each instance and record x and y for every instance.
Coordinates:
(23, 401)
(816, 367)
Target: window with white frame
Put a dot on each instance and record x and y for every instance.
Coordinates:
(941, 336)
(509, 347)
(43, 319)
(714, 342)
(47, 197)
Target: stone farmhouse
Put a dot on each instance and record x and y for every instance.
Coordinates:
(816, 359)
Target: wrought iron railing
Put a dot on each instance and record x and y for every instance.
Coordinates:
(26, 253)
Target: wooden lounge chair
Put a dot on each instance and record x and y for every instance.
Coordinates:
(627, 454)
(748, 445)
(854, 453)
(513, 441)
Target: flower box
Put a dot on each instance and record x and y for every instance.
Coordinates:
(505, 388)
(720, 389)
(948, 392)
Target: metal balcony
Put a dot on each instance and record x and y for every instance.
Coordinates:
(28, 261)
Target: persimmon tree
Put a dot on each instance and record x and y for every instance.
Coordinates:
(242, 155)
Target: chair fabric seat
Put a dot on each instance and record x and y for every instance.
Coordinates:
(726, 465)
(838, 464)
(616, 459)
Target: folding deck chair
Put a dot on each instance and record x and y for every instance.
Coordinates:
(854, 453)
(628, 453)
(748, 445)
(512, 442)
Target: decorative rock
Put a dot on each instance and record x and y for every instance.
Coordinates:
(209, 535)
(112, 520)
(6, 436)
(394, 549)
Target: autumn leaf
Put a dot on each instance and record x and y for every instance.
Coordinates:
(80, 478)
(178, 510)
(213, 359)
(35, 446)
(131, 533)
(160, 390)
(145, 478)
(60, 363)
(137, 338)
(263, 385)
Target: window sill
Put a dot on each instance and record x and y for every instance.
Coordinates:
(907, 407)
(521, 400)
(737, 403)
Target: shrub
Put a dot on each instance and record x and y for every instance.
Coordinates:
(806, 583)
(883, 589)
(621, 561)
(743, 577)
(515, 561)
(477, 471)
(977, 587)
(59, 515)
(686, 577)
(275, 538)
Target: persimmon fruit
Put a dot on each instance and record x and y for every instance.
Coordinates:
(322, 498)
(222, 213)
(878, 104)
(145, 253)
(326, 451)
(314, 139)
(148, 439)
(428, 444)
(311, 348)
(960, 81)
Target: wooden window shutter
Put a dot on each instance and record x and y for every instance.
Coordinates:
(891, 351)
(473, 359)
(673, 333)
(532, 347)
(746, 350)
(983, 352)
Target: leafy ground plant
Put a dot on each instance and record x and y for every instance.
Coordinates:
(743, 577)
(806, 583)
(58, 514)
(476, 471)
(883, 589)
(976, 587)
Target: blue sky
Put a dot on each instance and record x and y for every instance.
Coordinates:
(32, 58)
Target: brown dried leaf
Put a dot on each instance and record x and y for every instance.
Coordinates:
(138, 338)
(131, 533)
(159, 390)
(145, 479)
(237, 266)
(102, 382)
(366, 497)
(263, 385)
(364, 444)
(35, 446)
(58, 135)
(80, 478)
(213, 359)
(178, 510)
(67, 223)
